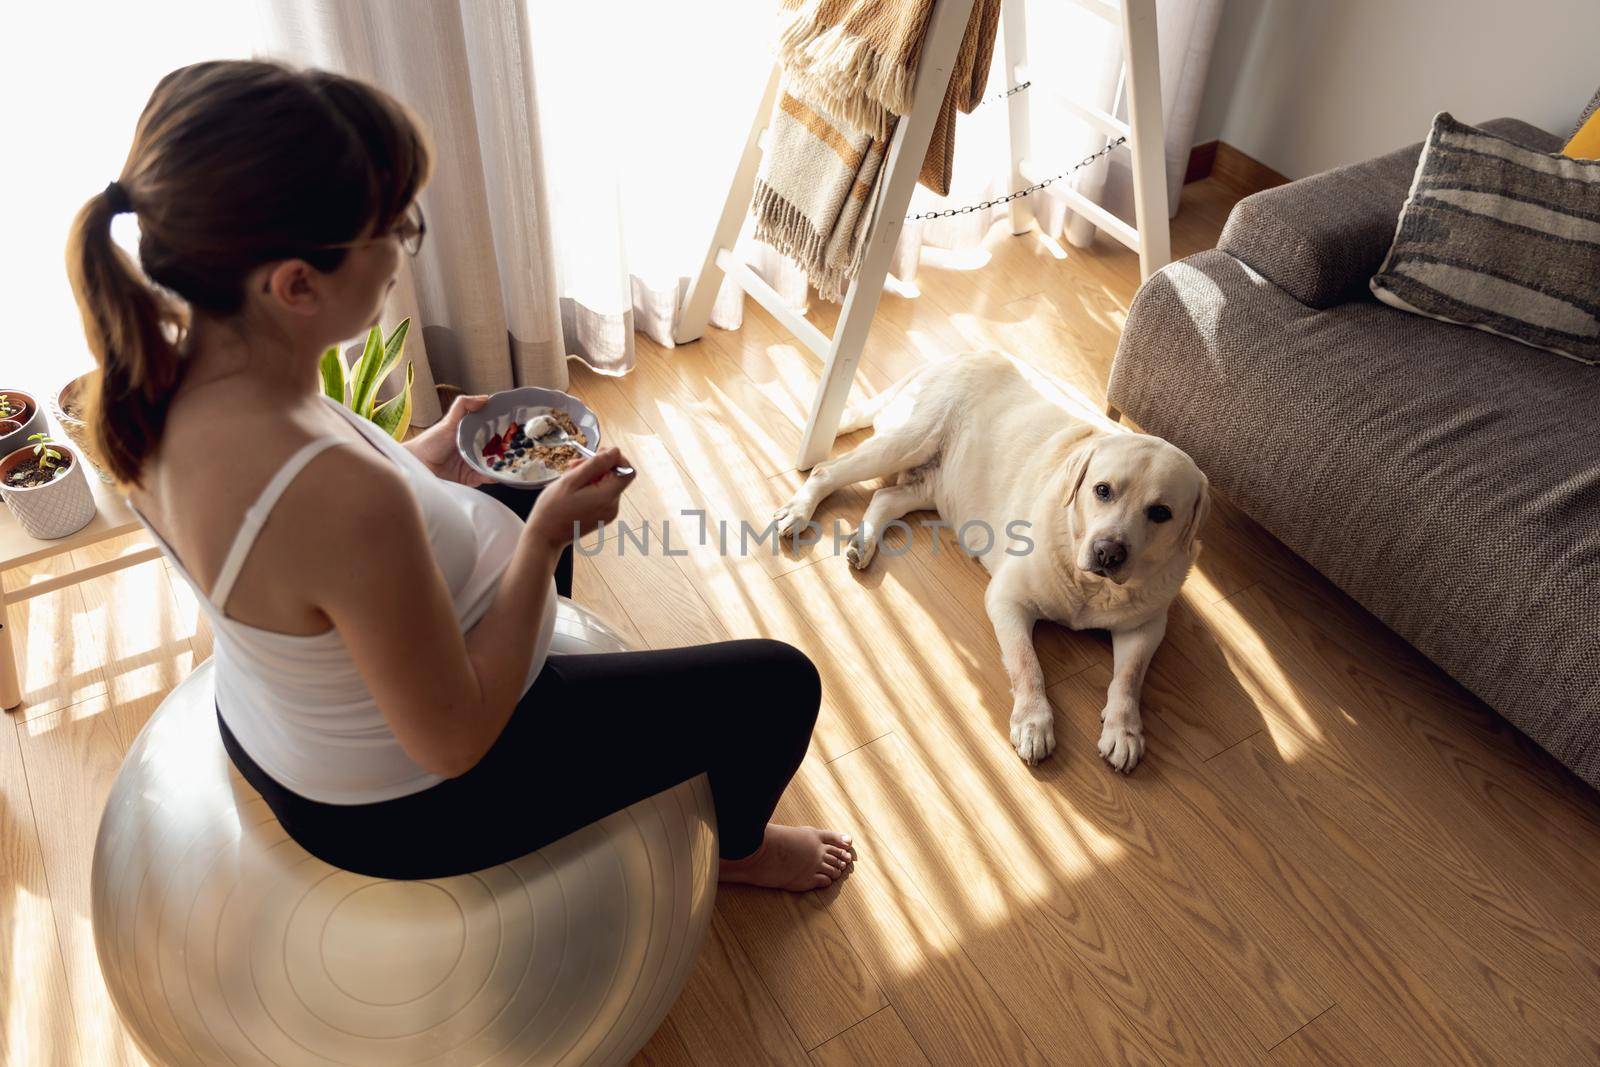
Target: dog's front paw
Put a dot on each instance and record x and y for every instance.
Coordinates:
(861, 550)
(791, 518)
(1033, 732)
(1121, 739)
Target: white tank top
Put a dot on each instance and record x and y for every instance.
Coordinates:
(296, 703)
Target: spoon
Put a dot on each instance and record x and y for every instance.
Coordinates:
(556, 436)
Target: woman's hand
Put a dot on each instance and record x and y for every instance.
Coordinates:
(582, 498)
(436, 446)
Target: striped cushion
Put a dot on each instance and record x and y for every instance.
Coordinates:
(1502, 238)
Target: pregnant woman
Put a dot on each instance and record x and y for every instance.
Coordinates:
(382, 628)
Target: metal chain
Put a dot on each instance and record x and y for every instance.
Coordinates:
(948, 212)
(997, 97)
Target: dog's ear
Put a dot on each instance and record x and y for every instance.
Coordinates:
(1197, 518)
(1078, 469)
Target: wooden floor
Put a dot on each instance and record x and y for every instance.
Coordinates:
(1331, 854)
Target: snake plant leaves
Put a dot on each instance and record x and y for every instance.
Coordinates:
(334, 374)
(377, 360)
(393, 416)
(364, 375)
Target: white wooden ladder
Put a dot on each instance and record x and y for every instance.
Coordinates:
(841, 353)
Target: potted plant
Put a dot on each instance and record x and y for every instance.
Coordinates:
(69, 406)
(357, 387)
(44, 486)
(21, 408)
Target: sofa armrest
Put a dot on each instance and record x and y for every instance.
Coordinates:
(1321, 238)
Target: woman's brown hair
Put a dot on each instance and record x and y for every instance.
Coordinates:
(234, 164)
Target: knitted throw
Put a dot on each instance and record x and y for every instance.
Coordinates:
(858, 60)
(815, 191)
(849, 67)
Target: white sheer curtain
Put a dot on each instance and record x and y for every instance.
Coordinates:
(574, 147)
(643, 111)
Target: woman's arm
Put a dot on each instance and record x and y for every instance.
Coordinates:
(447, 695)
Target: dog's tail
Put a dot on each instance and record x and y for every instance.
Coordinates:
(859, 414)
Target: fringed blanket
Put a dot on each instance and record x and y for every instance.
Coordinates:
(814, 194)
(858, 59)
(849, 66)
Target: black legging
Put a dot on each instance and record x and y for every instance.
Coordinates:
(594, 734)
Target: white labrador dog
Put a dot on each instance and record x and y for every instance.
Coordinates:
(1113, 519)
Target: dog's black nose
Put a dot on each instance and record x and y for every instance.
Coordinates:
(1110, 554)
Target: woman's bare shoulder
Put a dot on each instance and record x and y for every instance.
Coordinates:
(219, 453)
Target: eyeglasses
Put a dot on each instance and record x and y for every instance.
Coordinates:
(409, 231)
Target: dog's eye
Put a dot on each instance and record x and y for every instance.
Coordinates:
(1159, 513)
(1103, 491)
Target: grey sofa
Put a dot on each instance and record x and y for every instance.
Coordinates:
(1446, 478)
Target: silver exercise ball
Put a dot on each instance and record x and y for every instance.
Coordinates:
(223, 941)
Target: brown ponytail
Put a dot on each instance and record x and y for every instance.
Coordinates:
(132, 331)
(234, 164)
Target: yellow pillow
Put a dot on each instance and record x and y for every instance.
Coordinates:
(1585, 144)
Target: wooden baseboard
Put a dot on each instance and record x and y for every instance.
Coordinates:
(1231, 167)
(1202, 157)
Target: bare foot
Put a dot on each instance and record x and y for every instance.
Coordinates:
(796, 858)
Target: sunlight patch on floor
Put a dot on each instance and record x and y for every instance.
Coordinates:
(1200, 589)
(1254, 663)
(926, 345)
(958, 730)
(898, 808)
(1051, 245)
(54, 659)
(31, 957)
(974, 257)
(83, 710)
(100, 1034)
(905, 290)
(681, 425)
(732, 414)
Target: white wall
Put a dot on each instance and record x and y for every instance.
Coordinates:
(72, 97)
(1304, 85)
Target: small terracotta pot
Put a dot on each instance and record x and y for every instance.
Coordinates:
(67, 397)
(55, 509)
(30, 417)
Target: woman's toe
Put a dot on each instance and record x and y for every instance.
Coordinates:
(822, 881)
(837, 839)
(839, 854)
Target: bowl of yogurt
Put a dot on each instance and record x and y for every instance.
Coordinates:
(503, 439)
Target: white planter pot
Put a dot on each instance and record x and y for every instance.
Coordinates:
(55, 509)
(34, 423)
(76, 430)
